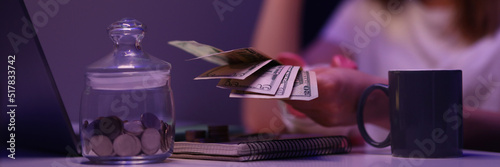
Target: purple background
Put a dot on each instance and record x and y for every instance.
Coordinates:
(76, 36)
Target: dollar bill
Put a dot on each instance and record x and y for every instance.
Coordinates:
(284, 89)
(238, 56)
(200, 50)
(236, 71)
(217, 56)
(265, 81)
(305, 87)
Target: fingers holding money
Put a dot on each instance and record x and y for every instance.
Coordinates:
(251, 74)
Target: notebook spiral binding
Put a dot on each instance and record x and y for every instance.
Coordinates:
(297, 147)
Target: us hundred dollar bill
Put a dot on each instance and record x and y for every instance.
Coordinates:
(240, 63)
(238, 56)
(284, 90)
(236, 71)
(265, 81)
(200, 50)
(219, 57)
(305, 88)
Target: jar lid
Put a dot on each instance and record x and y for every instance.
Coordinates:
(128, 66)
(127, 28)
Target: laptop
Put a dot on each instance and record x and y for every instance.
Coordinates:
(33, 117)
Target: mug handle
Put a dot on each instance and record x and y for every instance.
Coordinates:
(359, 116)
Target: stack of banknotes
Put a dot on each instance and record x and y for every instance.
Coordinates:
(251, 74)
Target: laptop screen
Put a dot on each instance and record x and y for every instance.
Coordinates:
(33, 116)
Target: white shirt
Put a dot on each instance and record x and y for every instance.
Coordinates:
(417, 37)
(413, 36)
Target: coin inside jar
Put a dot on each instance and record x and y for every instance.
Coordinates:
(151, 141)
(101, 145)
(110, 126)
(86, 146)
(133, 127)
(127, 145)
(169, 136)
(150, 120)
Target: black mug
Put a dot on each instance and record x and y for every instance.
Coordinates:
(425, 113)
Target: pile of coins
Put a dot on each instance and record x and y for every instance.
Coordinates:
(110, 136)
(216, 134)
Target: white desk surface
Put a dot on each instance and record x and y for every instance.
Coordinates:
(359, 157)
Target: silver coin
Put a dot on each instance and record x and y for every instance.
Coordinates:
(110, 126)
(166, 135)
(163, 127)
(85, 124)
(169, 136)
(151, 141)
(84, 130)
(162, 137)
(91, 129)
(127, 145)
(101, 145)
(86, 146)
(150, 120)
(133, 127)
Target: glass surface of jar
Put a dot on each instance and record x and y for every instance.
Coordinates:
(127, 111)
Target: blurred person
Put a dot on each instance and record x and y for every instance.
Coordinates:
(361, 42)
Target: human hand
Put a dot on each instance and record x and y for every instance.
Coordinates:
(339, 85)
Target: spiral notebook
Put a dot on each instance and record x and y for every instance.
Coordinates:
(263, 150)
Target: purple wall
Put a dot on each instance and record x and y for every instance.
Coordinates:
(75, 35)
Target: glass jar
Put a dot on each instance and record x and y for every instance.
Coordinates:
(127, 112)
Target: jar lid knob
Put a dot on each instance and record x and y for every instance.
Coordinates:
(126, 27)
